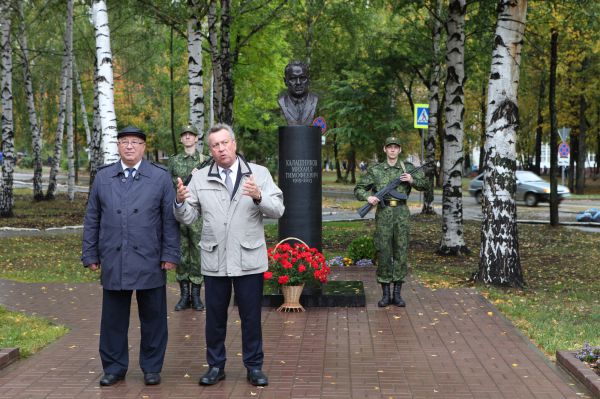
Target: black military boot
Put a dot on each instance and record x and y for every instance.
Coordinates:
(398, 301)
(184, 300)
(385, 299)
(196, 301)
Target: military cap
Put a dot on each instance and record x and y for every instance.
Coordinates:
(131, 131)
(189, 129)
(392, 140)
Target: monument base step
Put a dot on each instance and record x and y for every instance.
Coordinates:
(348, 294)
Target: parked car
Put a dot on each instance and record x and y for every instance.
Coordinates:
(530, 188)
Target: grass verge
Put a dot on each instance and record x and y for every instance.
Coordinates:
(28, 333)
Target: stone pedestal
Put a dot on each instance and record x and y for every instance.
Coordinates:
(300, 181)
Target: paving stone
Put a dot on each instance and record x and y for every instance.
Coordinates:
(444, 344)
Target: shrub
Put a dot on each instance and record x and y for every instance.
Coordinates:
(361, 248)
(26, 162)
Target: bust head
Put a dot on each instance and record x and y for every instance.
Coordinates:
(296, 78)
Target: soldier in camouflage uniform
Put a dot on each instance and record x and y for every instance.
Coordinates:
(392, 221)
(188, 270)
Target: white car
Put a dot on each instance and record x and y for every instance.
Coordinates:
(530, 188)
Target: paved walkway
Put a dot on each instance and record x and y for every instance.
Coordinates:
(446, 344)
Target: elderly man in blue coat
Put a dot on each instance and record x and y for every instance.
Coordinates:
(131, 235)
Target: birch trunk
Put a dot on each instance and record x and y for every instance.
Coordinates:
(500, 262)
(84, 117)
(36, 136)
(195, 76)
(8, 144)
(106, 103)
(96, 159)
(58, 139)
(70, 141)
(434, 100)
(453, 240)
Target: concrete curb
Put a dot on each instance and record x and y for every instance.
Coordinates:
(8, 356)
(580, 371)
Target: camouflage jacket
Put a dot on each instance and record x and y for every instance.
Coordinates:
(378, 176)
(182, 164)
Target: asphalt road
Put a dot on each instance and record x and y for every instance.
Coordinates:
(471, 210)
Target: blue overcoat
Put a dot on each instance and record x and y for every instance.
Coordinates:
(130, 229)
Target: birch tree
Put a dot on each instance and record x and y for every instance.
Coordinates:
(453, 240)
(96, 159)
(196, 92)
(500, 263)
(36, 134)
(106, 102)
(69, 106)
(62, 101)
(8, 144)
(434, 101)
(84, 116)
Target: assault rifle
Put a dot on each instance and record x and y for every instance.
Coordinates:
(389, 188)
(200, 166)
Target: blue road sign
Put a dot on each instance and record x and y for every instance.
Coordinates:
(421, 116)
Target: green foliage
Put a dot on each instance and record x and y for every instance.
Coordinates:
(26, 162)
(361, 247)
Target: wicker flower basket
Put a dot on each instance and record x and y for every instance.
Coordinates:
(291, 298)
(291, 293)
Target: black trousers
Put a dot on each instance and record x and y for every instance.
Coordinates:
(248, 292)
(114, 326)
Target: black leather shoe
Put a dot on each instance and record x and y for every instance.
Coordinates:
(257, 378)
(212, 376)
(151, 378)
(110, 379)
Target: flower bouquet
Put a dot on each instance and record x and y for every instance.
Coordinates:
(293, 266)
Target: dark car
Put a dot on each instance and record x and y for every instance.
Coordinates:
(530, 188)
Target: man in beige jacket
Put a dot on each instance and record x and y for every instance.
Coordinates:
(231, 195)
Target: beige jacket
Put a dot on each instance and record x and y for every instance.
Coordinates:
(233, 240)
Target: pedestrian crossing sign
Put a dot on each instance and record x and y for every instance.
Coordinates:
(421, 116)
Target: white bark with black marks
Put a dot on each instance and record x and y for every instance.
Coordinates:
(96, 159)
(84, 116)
(36, 135)
(434, 102)
(8, 134)
(500, 263)
(195, 72)
(106, 102)
(453, 240)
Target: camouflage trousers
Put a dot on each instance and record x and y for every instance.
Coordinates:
(392, 228)
(188, 268)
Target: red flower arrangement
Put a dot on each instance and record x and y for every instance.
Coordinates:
(296, 265)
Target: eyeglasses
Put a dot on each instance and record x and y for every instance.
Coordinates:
(131, 143)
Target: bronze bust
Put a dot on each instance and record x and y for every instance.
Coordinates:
(297, 104)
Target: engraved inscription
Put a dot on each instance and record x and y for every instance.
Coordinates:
(301, 171)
